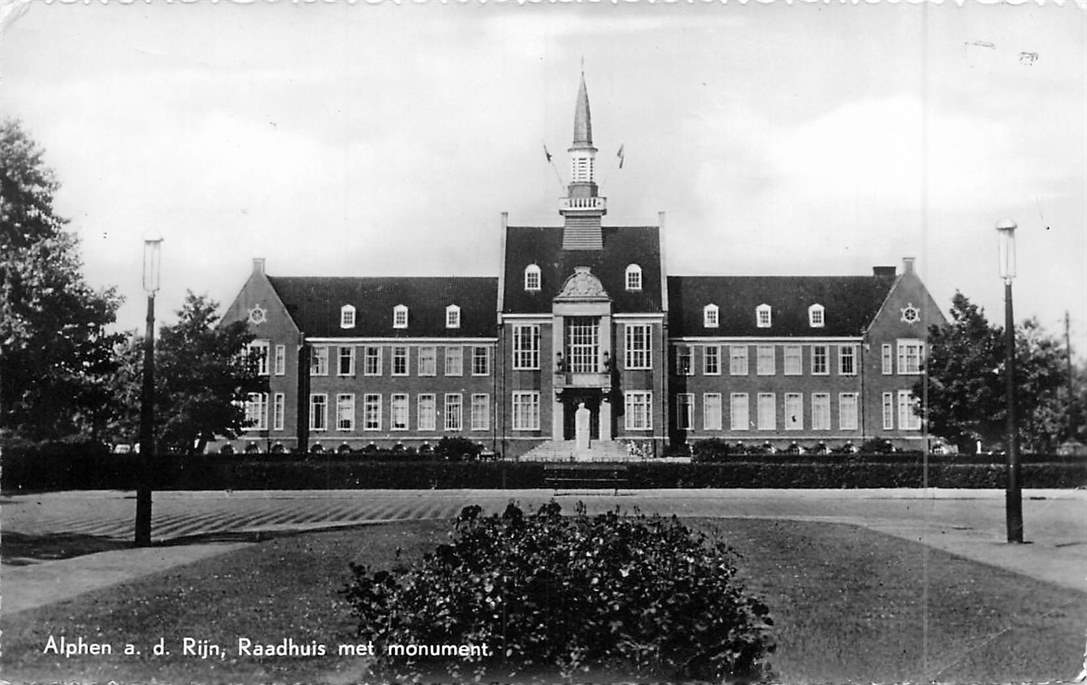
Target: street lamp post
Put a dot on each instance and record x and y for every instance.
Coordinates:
(152, 252)
(1013, 497)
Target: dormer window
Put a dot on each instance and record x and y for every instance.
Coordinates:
(452, 316)
(347, 316)
(400, 316)
(815, 316)
(709, 316)
(532, 277)
(634, 277)
(762, 316)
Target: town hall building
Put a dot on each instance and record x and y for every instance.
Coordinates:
(584, 319)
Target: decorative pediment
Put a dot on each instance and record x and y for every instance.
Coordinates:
(582, 285)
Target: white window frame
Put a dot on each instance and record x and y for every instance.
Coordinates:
(636, 356)
(526, 358)
(345, 405)
(318, 361)
(817, 316)
(453, 412)
(256, 411)
(454, 354)
(350, 360)
(373, 369)
(737, 360)
(684, 352)
(848, 411)
(347, 316)
(907, 420)
(905, 368)
(684, 411)
(887, 359)
(766, 420)
(481, 353)
(739, 411)
(711, 411)
(452, 316)
(279, 410)
(825, 357)
(400, 316)
(714, 357)
(279, 363)
(765, 360)
(533, 278)
(371, 411)
(258, 351)
(426, 409)
(820, 401)
(763, 316)
(638, 410)
(847, 353)
(318, 411)
(401, 356)
(794, 411)
(480, 414)
(633, 278)
(711, 316)
(399, 403)
(526, 410)
(888, 410)
(792, 360)
(428, 360)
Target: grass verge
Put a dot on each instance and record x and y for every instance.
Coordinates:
(849, 605)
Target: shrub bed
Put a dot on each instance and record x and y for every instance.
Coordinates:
(633, 595)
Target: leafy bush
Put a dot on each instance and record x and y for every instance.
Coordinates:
(710, 450)
(625, 594)
(458, 449)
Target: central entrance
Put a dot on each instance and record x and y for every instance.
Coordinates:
(570, 401)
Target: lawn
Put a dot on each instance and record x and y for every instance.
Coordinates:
(849, 605)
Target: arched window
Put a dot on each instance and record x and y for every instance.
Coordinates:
(815, 316)
(710, 316)
(400, 316)
(532, 277)
(634, 277)
(347, 316)
(762, 316)
(452, 316)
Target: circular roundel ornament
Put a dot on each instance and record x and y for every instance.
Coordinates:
(911, 314)
(258, 315)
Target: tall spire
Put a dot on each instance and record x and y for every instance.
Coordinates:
(583, 119)
(582, 207)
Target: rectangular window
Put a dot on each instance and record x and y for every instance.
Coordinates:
(582, 345)
(737, 360)
(454, 360)
(910, 353)
(888, 410)
(711, 360)
(279, 402)
(318, 361)
(638, 351)
(481, 412)
(847, 411)
(428, 361)
(793, 361)
(684, 367)
(258, 356)
(372, 364)
(819, 360)
(794, 411)
(346, 366)
(526, 346)
(398, 412)
(767, 417)
(256, 411)
(371, 412)
(481, 360)
(427, 413)
(400, 360)
(847, 360)
(281, 360)
(638, 407)
(318, 412)
(345, 412)
(907, 416)
(711, 411)
(684, 411)
(737, 409)
(820, 411)
(453, 411)
(526, 411)
(887, 360)
(764, 364)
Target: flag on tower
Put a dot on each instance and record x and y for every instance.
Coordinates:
(621, 156)
(546, 153)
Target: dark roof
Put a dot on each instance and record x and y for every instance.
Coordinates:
(623, 245)
(315, 305)
(850, 304)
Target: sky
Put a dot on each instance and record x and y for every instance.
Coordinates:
(360, 139)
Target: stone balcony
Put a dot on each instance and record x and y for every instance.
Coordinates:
(588, 204)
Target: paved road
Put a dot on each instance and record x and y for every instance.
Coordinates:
(966, 522)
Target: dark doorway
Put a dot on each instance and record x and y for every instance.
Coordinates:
(570, 402)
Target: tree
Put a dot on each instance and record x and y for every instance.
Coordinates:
(55, 349)
(966, 381)
(202, 379)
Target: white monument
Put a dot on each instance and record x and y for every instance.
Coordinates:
(581, 427)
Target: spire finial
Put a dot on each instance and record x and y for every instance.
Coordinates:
(583, 127)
